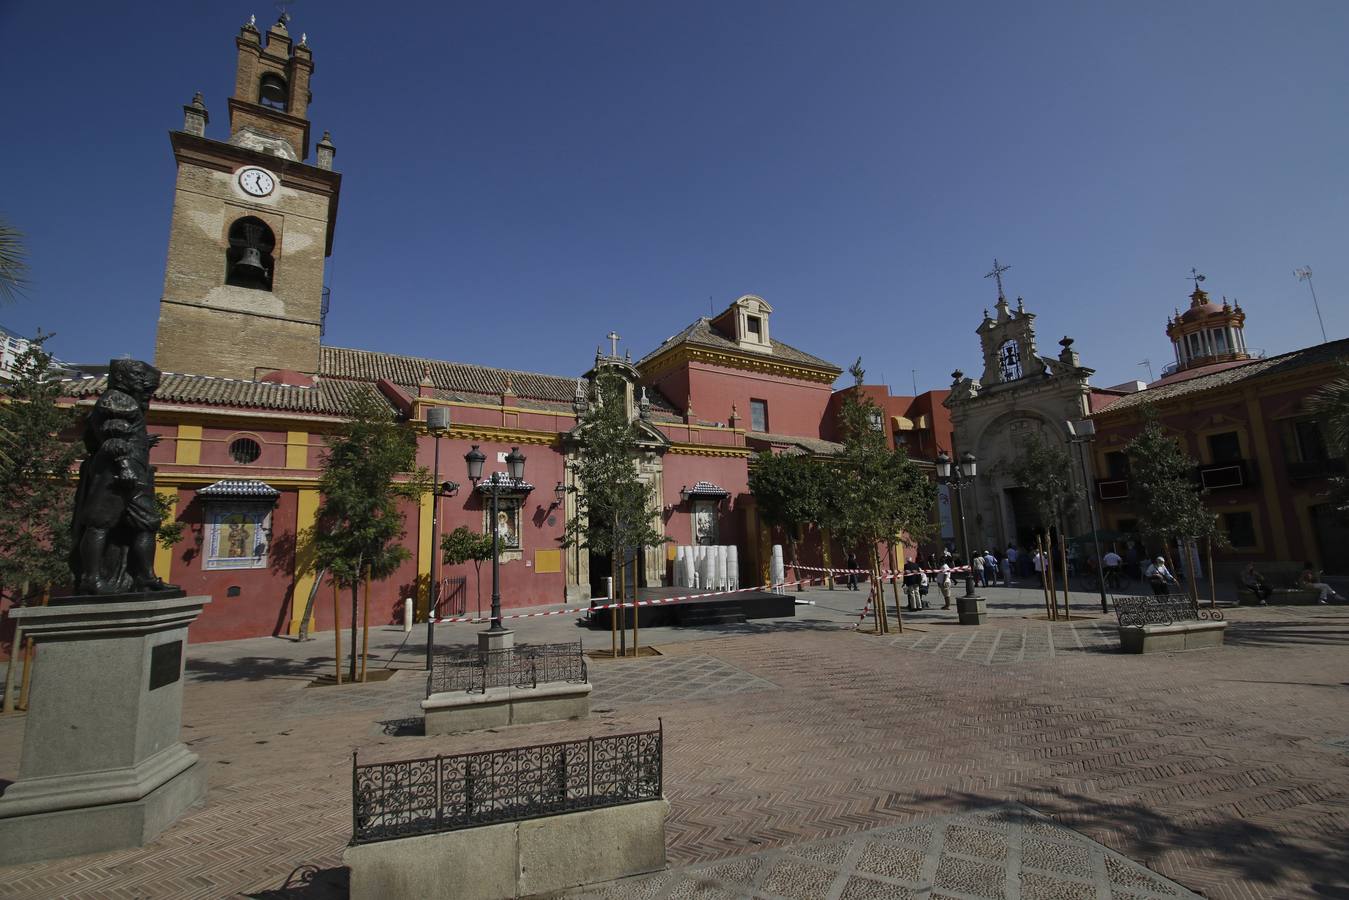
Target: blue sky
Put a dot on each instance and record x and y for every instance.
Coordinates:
(521, 177)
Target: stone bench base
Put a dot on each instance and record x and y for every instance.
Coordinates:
(457, 712)
(1197, 635)
(514, 859)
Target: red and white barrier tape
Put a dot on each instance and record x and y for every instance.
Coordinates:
(616, 604)
(886, 573)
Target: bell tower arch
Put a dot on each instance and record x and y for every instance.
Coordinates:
(252, 222)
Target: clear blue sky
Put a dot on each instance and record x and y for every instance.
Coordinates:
(519, 178)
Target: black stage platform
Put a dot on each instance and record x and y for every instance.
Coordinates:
(728, 608)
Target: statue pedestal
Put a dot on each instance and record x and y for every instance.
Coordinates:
(102, 767)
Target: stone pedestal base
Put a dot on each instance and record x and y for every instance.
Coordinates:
(102, 765)
(495, 640)
(971, 610)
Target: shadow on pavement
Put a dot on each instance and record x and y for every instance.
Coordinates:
(256, 668)
(1247, 851)
(1268, 634)
(310, 883)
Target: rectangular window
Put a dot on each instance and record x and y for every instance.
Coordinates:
(754, 327)
(1240, 528)
(758, 415)
(1311, 444)
(1225, 447)
(1116, 465)
(237, 535)
(1220, 340)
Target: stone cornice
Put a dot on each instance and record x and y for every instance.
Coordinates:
(748, 362)
(702, 450)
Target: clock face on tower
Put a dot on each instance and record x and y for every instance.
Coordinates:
(258, 182)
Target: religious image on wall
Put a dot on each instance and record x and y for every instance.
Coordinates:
(507, 524)
(705, 523)
(237, 536)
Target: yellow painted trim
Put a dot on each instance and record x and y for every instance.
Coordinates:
(1260, 440)
(424, 555)
(297, 449)
(306, 517)
(187, 445)
(703, 450)
(164, 555)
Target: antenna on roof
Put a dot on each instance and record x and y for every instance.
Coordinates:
(1148, 363)
(914, 373)
(1304, 273)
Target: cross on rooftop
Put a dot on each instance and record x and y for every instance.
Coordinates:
(996, 274)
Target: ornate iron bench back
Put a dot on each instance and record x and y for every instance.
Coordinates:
(1134, 611)
(472, 670)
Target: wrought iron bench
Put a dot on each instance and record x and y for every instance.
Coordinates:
(1153, 624)
(471, 689)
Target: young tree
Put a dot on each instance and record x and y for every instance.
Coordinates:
(1168, 498)
(466, 545)
(789, 491)
(613, 505)
(36, 489)
(360, 525)
(874, 494)
(1042, 472)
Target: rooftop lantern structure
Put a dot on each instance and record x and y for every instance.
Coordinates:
(1207, 332)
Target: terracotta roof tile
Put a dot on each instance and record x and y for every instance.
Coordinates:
(367, 365)
(327, 397)
(1272, 367)
(702, 334)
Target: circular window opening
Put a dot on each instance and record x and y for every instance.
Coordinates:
(244, 450)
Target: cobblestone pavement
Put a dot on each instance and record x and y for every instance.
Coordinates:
(1221, 770)
(1001, 852)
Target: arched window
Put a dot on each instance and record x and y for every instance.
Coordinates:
(248, 261)
(272, 91)
(1009, 361)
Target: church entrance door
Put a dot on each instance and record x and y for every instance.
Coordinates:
(1025, 519)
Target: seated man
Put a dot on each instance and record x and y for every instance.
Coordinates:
(1159, 576)
(1310, 579)
(1257, 584)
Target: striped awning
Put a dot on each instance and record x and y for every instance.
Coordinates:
(239, 489)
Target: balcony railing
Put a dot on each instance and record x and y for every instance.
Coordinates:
(1112, 488)
(1316, 468)
(1209, 359)
(1217, 476)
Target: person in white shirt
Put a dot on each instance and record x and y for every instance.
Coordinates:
(944, 582)
(1112, 562)
(1159, 576)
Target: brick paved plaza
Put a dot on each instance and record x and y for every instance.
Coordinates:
(804, 759)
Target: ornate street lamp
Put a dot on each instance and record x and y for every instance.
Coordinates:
(496, 635)
(437, 423)
(970, 606)
(1082, 433)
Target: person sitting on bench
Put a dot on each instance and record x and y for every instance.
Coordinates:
(1256, 584)
(1310, 579)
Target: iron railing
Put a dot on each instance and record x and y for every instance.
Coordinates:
(1161, 610)
(471, 670)
(446, 793)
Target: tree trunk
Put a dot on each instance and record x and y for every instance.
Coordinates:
(1212, 582)
(1042, 549)
(355, 617)
(337, 635)
(894, 573)
(1063, 555)
(828, 562)
(365, 625)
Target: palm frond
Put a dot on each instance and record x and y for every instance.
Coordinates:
(13, 265)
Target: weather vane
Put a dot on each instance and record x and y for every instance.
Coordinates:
(283, 14)
(1195, 277)
(996, 274)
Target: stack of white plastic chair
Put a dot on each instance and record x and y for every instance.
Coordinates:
(679, 566)
(732, 568)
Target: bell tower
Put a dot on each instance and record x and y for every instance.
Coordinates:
(252, 223)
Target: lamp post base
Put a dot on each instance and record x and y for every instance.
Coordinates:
(971, 610)
(495, 640)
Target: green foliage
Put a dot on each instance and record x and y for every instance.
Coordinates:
(613, 505)
(1167, 497)
(1042, 472)
(13, 266)
(789, 490)
(873, 493)
(465, 545)
(170, 529)
(1331, 405)
(36, 489)
(360, 524)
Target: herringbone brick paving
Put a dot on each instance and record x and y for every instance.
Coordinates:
(1216, 769)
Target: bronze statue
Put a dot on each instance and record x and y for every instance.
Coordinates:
(116, 517)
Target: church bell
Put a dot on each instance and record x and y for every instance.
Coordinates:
(249, 267)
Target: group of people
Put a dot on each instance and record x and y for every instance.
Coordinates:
(1310, 579)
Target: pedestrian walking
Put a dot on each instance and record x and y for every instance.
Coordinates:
(913, 582)
(978, 563)
(944, 584)
(1007, 569)
(851, 565)
(991, 567)
(1160, 577)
